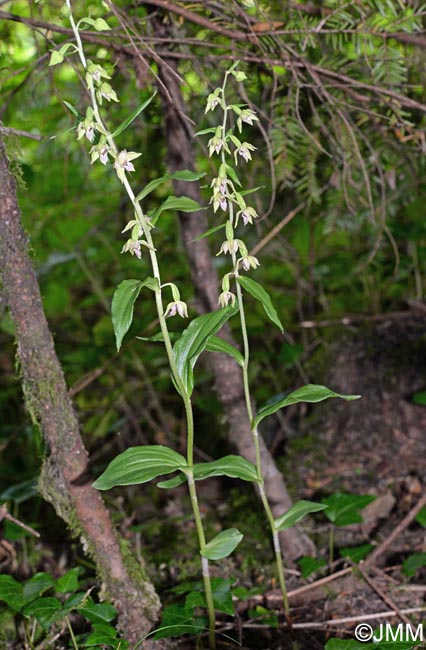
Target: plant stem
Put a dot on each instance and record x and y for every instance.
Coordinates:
(146, 227)
(331, 546)
(73, 639)
(247, 395)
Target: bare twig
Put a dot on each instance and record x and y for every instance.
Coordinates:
(381, 548)
(4, 514)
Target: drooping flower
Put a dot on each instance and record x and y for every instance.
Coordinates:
(225, 298)
(177, 307)
(244, 150)
(249, 262)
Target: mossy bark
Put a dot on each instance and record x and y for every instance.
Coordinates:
(48, 401)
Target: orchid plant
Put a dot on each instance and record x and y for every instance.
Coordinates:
(138, 465)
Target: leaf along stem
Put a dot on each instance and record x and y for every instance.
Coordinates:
(146, 227)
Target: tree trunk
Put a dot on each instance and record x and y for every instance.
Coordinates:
(228, 378)
(124, 581)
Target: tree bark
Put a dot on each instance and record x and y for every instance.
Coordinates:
(228, 378)
(124, 581)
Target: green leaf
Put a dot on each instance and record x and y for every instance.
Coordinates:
(258, 292)
(180, 203)
(125, 123)
(222, 545)
(421, 517)
(193, 342)
(211, 129)
(56, 57)
(98, 612)
(183, 175)
(232, 466)
(44, 610)
(346, 644)
(356, 553)
(180, 479)
(207, 233)
(101, 25)
(221, 592)
(343, 508)
(309, 565)
(177, 620)
(311, 393)
(20, 492)
(296, 513)
(72, 110)
(419, 398)
(11, 592)
(216, 344)
(68, 582)
(412, 563)
(123, 303)
(139, 465)
(105, 636)
(36, 586)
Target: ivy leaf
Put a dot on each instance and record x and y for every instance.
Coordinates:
(11, 592)
(36, 586)
(222, 545)
(232, 466)
(98, 612)
(258, 292)
(123, 303)
(125, 123)
(68, 582)
(105, 636)
(343, 508)
(44, 610)
(177, 620)
(139, 465)
(296, 513)
(180, 203)
(216, 344)
(311, 393)
(193, 342)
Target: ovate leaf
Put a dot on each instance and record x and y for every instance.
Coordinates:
(139, 465)
(125, 123)
(232, 466)
(56, 57)
(412, 563)
(343, 507)
(101, 25)
(309, 565)
(222, 545)
(193, 342)
(216, 344)
(123, 303)
(258, 292)
(296, 513)
(356, 553)
(311, 393)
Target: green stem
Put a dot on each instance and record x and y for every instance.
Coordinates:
(146, 227)
(247, 395)
(331, 546)
(73, 639)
